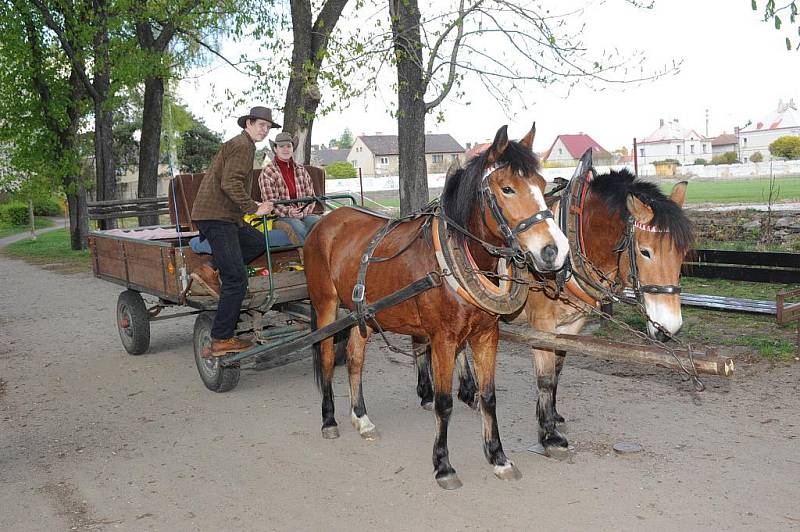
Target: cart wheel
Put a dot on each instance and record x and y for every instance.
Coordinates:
(133, 322)
(216, 377)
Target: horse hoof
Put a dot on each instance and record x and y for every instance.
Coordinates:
(370, 435)
(427, 406)
(507, 472)
(559, 453)
(449, 482)
(554, 439)
(330, 433)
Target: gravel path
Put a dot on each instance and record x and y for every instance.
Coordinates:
(58, 223)
(94, 439)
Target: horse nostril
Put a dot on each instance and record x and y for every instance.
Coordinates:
(549, 253)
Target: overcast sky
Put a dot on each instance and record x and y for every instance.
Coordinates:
(733, 64)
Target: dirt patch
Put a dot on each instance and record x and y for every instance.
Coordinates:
(65, 266)
(69, 505)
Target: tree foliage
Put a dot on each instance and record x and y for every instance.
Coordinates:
(772, 13)
(340, 170)
(198, 146)
(787, 147)
(344, 141)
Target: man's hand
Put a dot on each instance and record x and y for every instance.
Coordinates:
(264, 208)
(295, 211)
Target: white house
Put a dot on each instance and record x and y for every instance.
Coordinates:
(378, 155)
(723, 144)
(671, 141)
(567, 149)
(785, 120)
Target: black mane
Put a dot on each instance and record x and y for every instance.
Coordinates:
(461, 192)
(614, 188)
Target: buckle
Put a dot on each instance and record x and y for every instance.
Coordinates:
(358, 293)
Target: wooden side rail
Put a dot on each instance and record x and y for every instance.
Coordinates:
(132, 208)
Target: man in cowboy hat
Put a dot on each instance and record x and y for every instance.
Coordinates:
(222, 200)
(281, 179)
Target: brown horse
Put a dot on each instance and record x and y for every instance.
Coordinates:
(507, 176)
(623, 221)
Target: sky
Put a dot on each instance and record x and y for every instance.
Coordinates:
(733, 65)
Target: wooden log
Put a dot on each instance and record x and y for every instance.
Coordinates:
(709, 363)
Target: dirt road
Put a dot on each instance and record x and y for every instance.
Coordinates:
(94, 439)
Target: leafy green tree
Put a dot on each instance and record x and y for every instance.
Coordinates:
(787, 147)
(346, 140)
(729, 157)
(199, 145)
(340, 170)
(757, 157)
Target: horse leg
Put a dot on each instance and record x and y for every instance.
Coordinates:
(421, 348)
(560, 358)
(467, 389)
(355, 364)
(443, 359)
(484, 353)
(546, 377)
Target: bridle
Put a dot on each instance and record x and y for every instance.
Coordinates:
(627, 242)
(510, 235)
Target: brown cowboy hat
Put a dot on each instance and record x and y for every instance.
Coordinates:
(284, 136)
(257, 112)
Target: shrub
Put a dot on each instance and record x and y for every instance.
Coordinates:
(701, 162)
(14, 213)
(787, 146)
(340, 170)
(46, 207)
(757, 157)
(729, 157)
(676, 162)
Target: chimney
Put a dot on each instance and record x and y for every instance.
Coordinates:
(661, 122)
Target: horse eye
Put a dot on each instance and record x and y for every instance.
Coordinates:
(645, 252)
(507, 190)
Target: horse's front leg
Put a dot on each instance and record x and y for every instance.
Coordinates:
(561, 356)
(484, 353)
(356, 347)
(443, 352)
(546, 377)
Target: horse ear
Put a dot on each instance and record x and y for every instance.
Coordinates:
(499, 145)
(641, 212)
(527, 140)
(678, 194)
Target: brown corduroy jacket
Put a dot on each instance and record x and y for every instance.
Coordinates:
(224, 193)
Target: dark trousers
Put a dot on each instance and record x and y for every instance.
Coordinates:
(233, 247)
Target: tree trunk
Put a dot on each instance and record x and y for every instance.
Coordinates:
(308, 47)
(105, 169)
(72, 181)
(31, 218)
(150, 143)
(410, 105)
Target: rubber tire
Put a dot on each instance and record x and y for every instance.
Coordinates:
(216, 378)
(136, 337)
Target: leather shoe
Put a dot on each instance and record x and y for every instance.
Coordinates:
(208, 278)
(229, 345)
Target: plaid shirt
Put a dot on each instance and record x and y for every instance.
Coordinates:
(273, 187)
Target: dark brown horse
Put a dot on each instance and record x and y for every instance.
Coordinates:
(507, 174)
(623, 221)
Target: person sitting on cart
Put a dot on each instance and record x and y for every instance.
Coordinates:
(222, 200)
(281, 179)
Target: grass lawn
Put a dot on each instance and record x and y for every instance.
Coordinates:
(752, 190)
(8, 230)
(51, 251)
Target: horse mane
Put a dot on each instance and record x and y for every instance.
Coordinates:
(462, 189)
(614, 188)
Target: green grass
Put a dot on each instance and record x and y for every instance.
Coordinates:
(740, 289)
(766, 346)
(7, 229)
(54, 245)
(753, 190)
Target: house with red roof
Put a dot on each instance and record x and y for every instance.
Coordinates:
(757, 136)
(567, 149)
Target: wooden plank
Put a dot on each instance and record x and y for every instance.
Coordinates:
(106, 203)
(709, 363)
(742, 273)
(777, 259)
(144, 265)
(127, 214)
(110, 258)
(753, 306)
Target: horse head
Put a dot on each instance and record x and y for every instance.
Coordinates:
(514, 194)
(661, 237)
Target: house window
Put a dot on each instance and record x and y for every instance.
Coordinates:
(354, 163)
(437, 158)
(691, 148)
(641, 152)
(384, 161)
(453, 156)
(560, 151)
(704, 148)
(745, 140)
